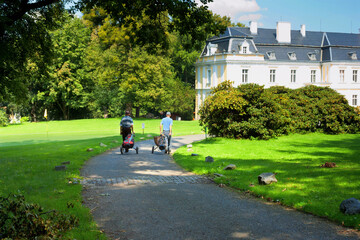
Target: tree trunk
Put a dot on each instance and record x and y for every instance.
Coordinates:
(137, 112)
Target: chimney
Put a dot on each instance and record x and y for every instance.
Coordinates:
(303, 30)
(283, 32)
(253, 28)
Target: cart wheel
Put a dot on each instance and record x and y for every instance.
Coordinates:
(152, 150)
(168, 151)
(121, 150)
(137, 150)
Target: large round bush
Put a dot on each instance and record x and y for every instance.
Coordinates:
(250, 111)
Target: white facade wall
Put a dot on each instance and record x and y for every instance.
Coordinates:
(230, 67)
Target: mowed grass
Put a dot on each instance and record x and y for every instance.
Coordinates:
(28, 155)
(41, 132)
(302, 183)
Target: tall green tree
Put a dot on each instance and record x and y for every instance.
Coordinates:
(67, 84)
(24, 36)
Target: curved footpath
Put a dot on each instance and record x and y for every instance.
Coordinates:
(147, 196)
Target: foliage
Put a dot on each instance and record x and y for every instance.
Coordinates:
(186, 16)
(20, 220)
(67, 84)
(296, 158)
(250, 111)
(4, 118)
(24, 36)
(24, 119)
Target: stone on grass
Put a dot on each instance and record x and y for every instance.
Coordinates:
(103, 145)
(67, 162)
(350, 206)
(115, 141)
(149, 135)
(194, 154)
(90, 149)
(189, 149)
(230, 167)
(189, 146)
(60, 168)
(218, 175)
(267, 178)
(209, 159)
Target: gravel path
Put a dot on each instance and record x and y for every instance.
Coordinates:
(147, 196)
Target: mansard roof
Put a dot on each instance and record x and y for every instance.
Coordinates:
(335, 46)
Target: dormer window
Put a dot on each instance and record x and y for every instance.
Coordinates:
(312, 56)
(211, 49)
(244, 50)
(271, 55)
(292, 56)
(353, 55)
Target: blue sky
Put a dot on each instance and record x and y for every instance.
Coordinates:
(324, 15)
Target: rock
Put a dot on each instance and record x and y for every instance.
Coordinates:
(267, 178)
(90, 149)
(189, 149)
(230, 167)
(329, 165)
(60, 168)
(142, 138)
(115, 141)
(218, 175)
(209, 159)
(350, 206)
(189, 146)
(103, 145)
(67, 162)
(194, 154)
(149, 135)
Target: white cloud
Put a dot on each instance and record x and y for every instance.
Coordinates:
(232, 8)
(249, 17)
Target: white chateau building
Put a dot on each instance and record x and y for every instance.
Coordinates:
(280, 57)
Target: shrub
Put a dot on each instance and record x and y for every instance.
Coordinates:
(24, 119)
(250, 111)
(22, 220)
(4, 119)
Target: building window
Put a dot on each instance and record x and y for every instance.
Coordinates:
(355, 74)
(272, 75)
(354, 100)
(208, 77)
(293, 76)
(292, 56)
(353, 55)
(312, 56)
(271, 55)
(313, 76)
(245, 75)
(244, 50)
(342, 76)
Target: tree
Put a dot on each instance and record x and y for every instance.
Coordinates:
(24, 26)
(184, 16)
(67, 84)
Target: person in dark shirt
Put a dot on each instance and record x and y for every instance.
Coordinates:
(126, 125)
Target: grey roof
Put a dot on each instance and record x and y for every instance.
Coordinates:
(281, 53)
(312, 38)
(336, 46)
(343, 54)
(344, 39)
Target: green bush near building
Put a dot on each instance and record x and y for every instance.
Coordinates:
(250, 111)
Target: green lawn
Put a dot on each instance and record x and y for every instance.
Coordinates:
(29, 153)
(296, 159)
